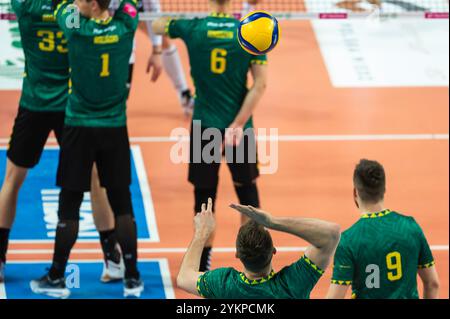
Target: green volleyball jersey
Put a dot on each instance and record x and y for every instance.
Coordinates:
(293, 282)
(379, 256)
(45, 85)
(99, 52)
(219, 67)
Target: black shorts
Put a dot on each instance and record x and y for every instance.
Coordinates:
(30, 133)
(81, 147)
(243, 162)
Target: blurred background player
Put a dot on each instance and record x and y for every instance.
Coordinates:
(219, 68)
(355, 5)
(95, 131)
(381, 254)
(164, 54)
(41, 110)
(255, 250)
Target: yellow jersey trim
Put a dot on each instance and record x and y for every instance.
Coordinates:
(313, 265)
(220, 15)
(428, 265)
(341, 282)
(256, 281)
(378, 214)
(166, 29)
(103, 22)
(259, 62)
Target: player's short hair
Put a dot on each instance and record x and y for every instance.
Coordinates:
(369, 179)
(254, 246)
(103, 4)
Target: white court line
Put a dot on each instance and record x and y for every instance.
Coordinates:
(162, 262)
(2, 291)
(295, 138)
(174, 250)
(147, 200)
(166, 278)
(144, 186)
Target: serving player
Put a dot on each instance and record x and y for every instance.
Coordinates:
(95, 131)
(41, 110)
(255, 250)
(219, 68)
(381, 254)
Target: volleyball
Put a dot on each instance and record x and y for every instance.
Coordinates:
(258, 32)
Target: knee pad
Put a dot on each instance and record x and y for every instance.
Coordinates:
(201, 197)
(248, 194)
(120, 201)
(69, 204)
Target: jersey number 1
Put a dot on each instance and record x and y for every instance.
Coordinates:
(218, 61)
(105, 65)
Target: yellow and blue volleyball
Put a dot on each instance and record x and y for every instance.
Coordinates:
(258, 33)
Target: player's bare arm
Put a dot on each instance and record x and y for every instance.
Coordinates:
(205, 224)
(234, 132)
(430, 280)
(337, 291)
(323, 236)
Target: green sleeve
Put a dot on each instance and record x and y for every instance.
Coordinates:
(19, 7)
(300, 278)
(259, 59)
(68, 18)
(344, 267)
(211, 283)
(180, 28)
(426, 259)
(128, 13)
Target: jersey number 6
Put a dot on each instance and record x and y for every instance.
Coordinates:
(218, 61)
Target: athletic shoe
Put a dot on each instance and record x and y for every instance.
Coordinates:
(2, 272)
(133, 287)
(187, 102)
(112, 271)
(52, 288)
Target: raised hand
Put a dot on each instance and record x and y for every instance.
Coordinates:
(258, 215)
(205, 222)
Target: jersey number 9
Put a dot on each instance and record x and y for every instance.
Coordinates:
(394, 263)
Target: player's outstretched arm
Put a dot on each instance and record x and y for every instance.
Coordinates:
(430, 282)
(205, 224)
(323, 236)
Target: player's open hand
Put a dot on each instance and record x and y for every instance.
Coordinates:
(258, 215)
(155, 63)
(233, 135)
(205, 221)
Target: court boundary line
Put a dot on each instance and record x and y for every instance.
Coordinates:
(295, 138)
(166, 277)
(162, 262)
(177, 250)
(2, 291)
(147, 200)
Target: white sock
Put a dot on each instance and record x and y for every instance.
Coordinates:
(172, 64)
